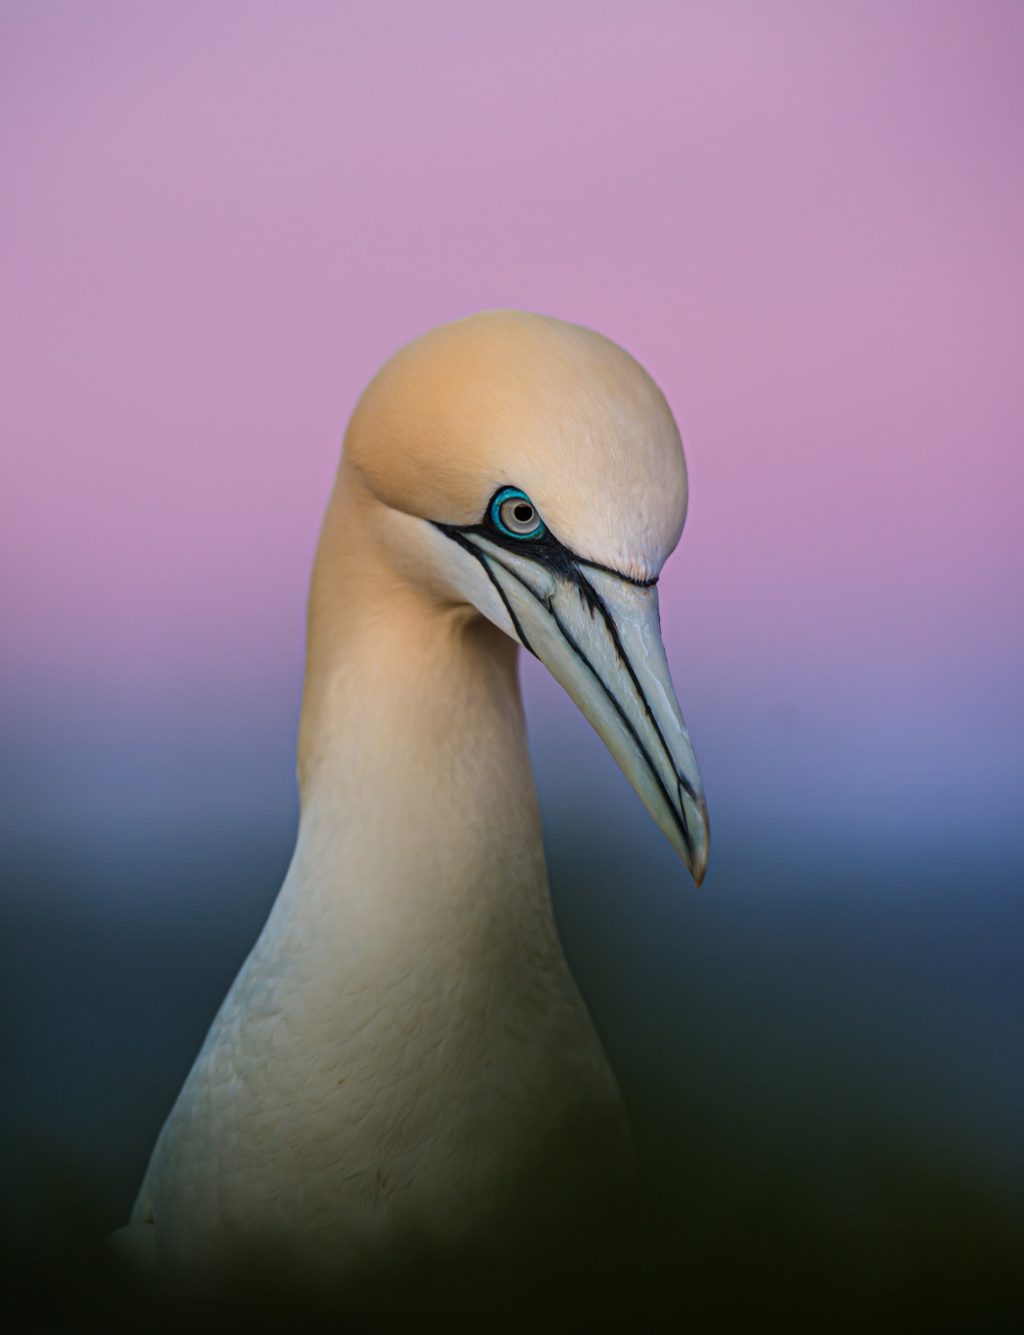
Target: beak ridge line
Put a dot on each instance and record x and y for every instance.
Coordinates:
(677, 808)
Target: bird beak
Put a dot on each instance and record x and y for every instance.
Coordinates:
(599, 635)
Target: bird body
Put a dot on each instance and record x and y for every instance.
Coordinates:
(405, 1054)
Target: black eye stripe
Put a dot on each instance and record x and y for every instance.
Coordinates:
(544, 548)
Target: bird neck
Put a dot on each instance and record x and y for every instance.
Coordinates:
(419, 813)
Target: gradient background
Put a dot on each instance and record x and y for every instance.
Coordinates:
(805, 219)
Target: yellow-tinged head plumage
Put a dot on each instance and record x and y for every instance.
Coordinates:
(509, 398)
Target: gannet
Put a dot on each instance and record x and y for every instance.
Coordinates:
(405, 1054)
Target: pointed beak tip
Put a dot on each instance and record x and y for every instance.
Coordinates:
(698, 870)
(699, 864)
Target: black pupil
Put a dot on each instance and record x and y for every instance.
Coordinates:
(524, 513)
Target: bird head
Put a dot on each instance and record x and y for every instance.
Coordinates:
(536, 474)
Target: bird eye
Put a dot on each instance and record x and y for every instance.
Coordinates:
(514, 514)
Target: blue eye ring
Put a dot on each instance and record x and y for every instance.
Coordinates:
(511, 524)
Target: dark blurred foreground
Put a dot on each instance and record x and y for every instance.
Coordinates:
(916, 1249)
(825, 1079)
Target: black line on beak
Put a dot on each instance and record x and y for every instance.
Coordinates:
(456, 536)
(594, 600)
(610, 570)
(678, 813)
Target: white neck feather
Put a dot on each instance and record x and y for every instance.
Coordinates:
(420, 827)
